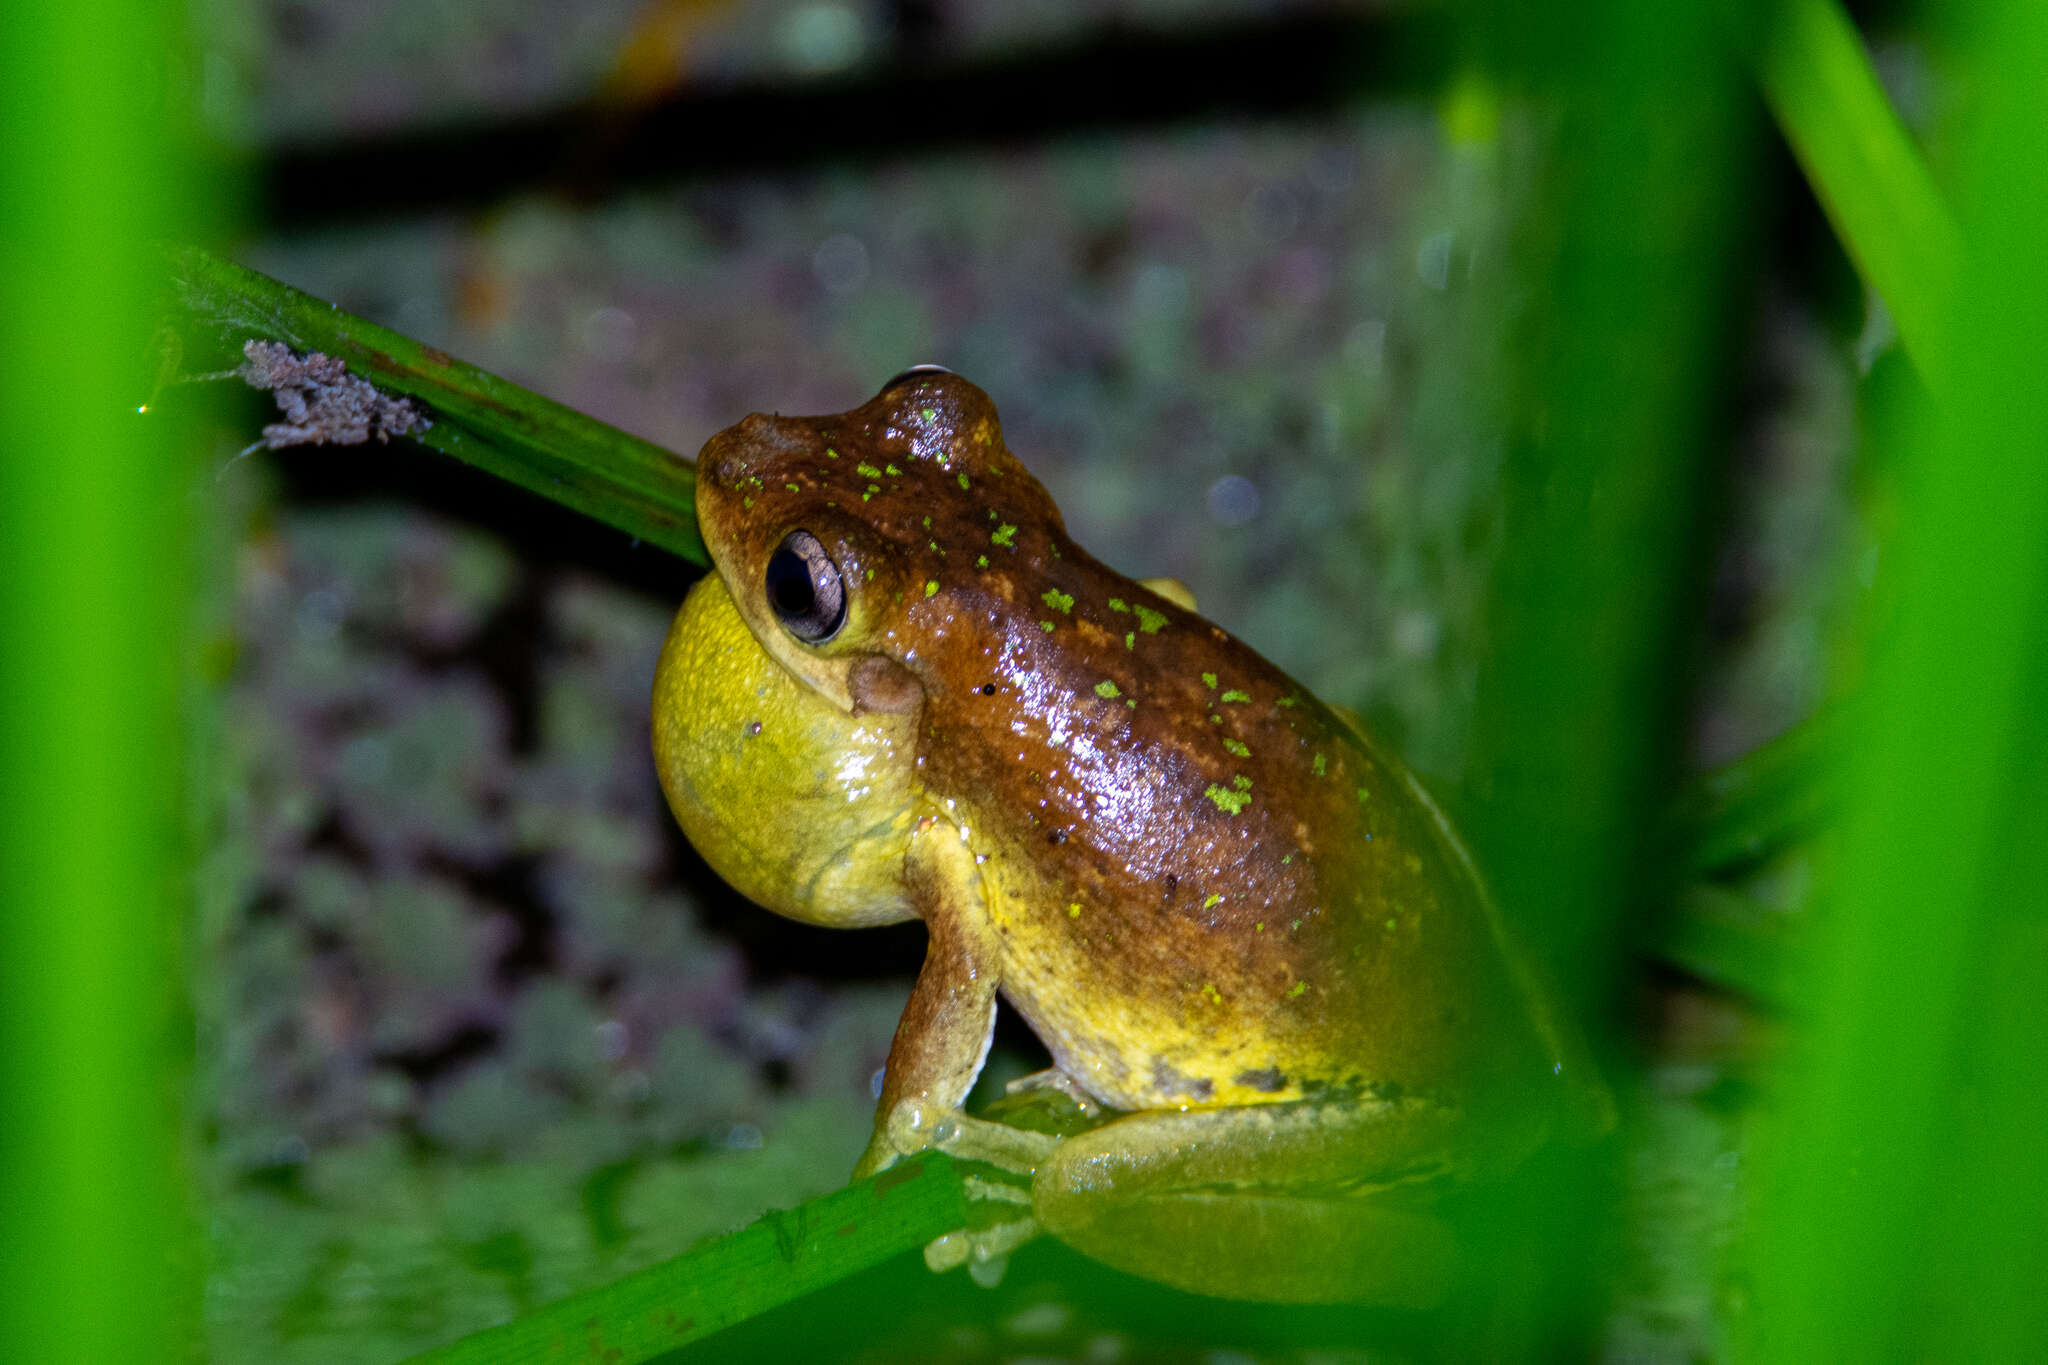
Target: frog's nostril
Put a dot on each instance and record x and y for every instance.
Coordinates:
(727, 471)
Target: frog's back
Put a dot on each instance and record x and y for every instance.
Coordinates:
(1212, 891)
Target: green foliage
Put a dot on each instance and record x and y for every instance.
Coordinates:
(1900, 1209)
(92, 599)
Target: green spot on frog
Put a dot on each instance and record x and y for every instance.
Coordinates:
(867, 471)
(1241, 782)
(1062, 602)
(1131, 702)
(1237, 746)
(927, 414)
(892, 471)
(871, 575)
(1227, 801)
(1234, 695)
(1364, 795)
(981, 561)
(1211, 900)
(1319, 765)
(1118, 604)
(792, 488)
(1074, 910)
(1045, 626)
(1107, 690)
(963, 481)
(1149, 620)
(927, 523)
(1003, 535)
(1211, 994)
(1130, 638)
(1209, 681)
(1288, 701)
(931, 587)
(1288, 859)
(746, 501)
(830, 453)
(1300, 987)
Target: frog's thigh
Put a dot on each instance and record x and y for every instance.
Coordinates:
(1283, 1203)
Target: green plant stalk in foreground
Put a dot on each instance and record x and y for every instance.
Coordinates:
(95, 1261)
(732, 1278)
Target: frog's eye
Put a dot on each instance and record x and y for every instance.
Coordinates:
(805, 588)
(915, 372)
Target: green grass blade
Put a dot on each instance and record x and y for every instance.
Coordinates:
(1775, 795)
(93, 552)
(1730, 941)
(1903, 1188)
(479, 418)
(730, 1279)
(1865, 169)
(1630, 265)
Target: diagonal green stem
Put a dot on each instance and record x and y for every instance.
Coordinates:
(479, 418)
(1863, 165)
(782, 1256)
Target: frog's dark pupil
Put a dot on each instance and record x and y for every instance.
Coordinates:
(988, 689)
(789, 584)
(805, 589)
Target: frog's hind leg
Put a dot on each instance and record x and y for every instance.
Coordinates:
(1282, 1203)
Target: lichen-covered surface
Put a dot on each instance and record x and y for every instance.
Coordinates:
(476, 1028)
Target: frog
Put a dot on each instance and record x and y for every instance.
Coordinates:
(1283, 1013)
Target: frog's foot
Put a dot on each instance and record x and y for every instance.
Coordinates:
(1058, 1082)
(984, 1246)
(914, 1126)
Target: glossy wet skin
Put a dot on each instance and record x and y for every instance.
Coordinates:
(907, 692)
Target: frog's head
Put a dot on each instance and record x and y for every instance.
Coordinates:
(851, 542)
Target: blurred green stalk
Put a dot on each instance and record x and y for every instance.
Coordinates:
(1903, 1197)
(92, 879)
(1630, 294)
(1864, 168)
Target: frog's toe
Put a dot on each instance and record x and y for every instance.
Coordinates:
(1053, 1081)
(911, 1127)
(985, 1251)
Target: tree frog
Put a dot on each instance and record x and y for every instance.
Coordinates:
(1261, 960)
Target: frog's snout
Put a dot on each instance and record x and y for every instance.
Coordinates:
(732, 457)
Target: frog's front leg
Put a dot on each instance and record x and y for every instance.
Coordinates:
(943, 1037)
(1292, 1202)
